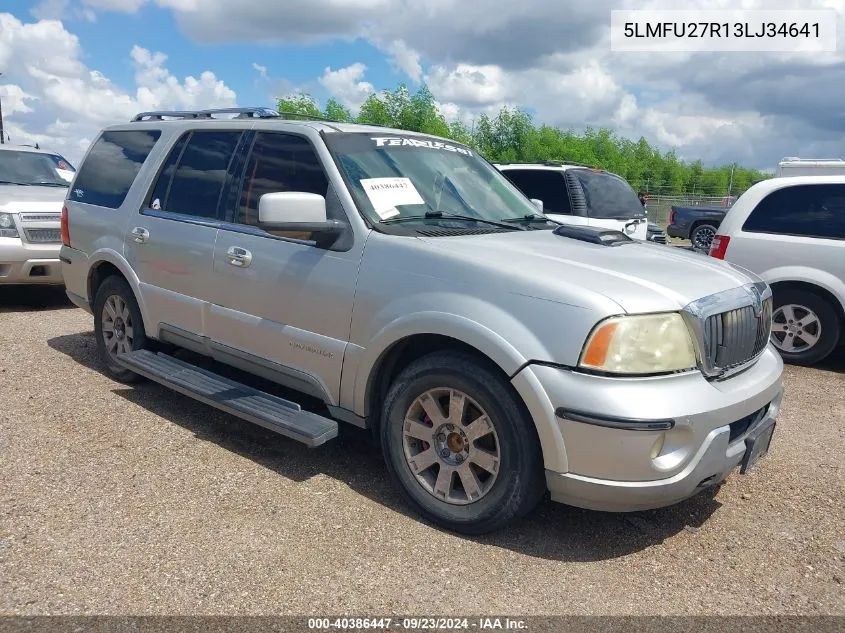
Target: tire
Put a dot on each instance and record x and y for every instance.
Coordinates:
(702, 236)
(518, 483)
(115, 293)
(803, 308)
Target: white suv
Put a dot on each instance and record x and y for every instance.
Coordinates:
(33, 184)
(581, 195)
(791, 232)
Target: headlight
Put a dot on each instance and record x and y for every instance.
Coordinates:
(7, 226)
(641, 344)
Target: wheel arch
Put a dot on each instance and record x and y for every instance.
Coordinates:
(107, 263)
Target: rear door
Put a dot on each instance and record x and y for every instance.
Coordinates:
(170, 241)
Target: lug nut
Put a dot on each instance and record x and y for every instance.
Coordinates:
(444, 453)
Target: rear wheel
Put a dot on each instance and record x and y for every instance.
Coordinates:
(118, 327)
(702, 236)
(460, 445)
(805, 327)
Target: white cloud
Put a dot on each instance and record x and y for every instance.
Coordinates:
(75, 101)
(347, 85)
(405, 59)
(120, 6)
(261, 70)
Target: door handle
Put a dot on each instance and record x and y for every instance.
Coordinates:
(140, 234)
(238, 256)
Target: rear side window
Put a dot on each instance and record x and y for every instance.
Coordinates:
(195, 173)
(543, 184)
(111, 166)
(804, 210)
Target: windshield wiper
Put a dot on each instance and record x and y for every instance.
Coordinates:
(14, 182)
(49, 184)
(450, 216)
(529, 218)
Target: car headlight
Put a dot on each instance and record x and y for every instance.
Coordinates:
(7, 226)
(640, 344)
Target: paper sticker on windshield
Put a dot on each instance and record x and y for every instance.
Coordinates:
(402, 141)
(386, 194)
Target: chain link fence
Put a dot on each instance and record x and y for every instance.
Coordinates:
(659, 205)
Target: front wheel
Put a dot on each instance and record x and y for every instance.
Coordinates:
(118, 327)
(460, 445)
(805, 327)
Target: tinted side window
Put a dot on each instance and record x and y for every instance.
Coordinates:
(165, 178)
(279, 162)
(806, 210)
(111, 166)
(546, 185)
(201, 174)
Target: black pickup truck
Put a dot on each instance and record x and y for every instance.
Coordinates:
(696, 224)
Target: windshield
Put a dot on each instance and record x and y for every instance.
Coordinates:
(34, 168)
(406, 176)
(608, 196)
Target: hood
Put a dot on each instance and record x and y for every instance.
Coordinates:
(16, 198)
(638, 276)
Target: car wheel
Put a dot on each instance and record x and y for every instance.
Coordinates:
(702, 236)
(805, 327)
(460, 445)
(118, 327)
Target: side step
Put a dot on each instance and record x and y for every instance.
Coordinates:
(282, 416)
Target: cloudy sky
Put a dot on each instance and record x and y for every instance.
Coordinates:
(72, 66)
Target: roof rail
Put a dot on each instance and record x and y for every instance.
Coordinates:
(795, 159)
(548, 163)
(242, 113)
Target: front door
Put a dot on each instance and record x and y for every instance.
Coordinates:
(281, 306)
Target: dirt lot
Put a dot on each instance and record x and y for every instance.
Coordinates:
(125, 500)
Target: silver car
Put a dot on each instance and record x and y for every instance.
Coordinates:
(33, 185)
(401, 280)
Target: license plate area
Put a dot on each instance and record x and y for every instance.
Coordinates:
(757, 445)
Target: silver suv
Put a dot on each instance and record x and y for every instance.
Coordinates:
(406, 284)
(790, 232)
(33, 184)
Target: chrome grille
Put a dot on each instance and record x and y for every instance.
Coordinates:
(43, 236)
(737, 336)
(40, 217)
(731, 328)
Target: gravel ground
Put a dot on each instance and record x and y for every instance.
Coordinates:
(136, 500)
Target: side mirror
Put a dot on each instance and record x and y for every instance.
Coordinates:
(298, 211)
(537, 203)
(289, 210)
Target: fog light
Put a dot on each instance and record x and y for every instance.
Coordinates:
(658, 445)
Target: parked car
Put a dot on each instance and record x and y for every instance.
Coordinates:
(33, 184)
(696, 224)
(580, 195)
(791, 232)
(403, 281)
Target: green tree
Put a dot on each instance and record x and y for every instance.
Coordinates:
(336, 111)
(299, 103)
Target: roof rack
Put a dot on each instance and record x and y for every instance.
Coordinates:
(242, 113)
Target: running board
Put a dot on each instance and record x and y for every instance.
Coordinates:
(282, 416)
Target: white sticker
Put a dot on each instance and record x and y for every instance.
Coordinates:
(387, 193)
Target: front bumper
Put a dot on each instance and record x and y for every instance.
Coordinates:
(618, 458)
(23, 263)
